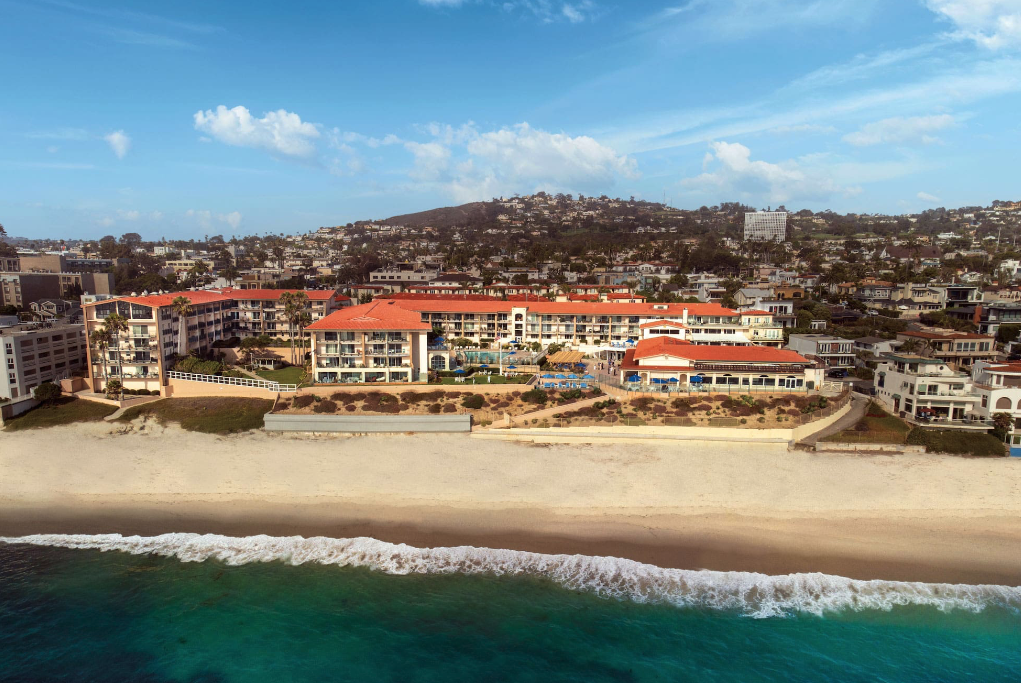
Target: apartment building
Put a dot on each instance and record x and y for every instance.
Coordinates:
(956, 348)
(260, 311)
(591, 326)
(834, 351)
(157, 333)
(374, 342)
(33, 354)
(927, 391)
(21, 289)
(765, 226)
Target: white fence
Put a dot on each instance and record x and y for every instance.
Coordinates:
(234, 381)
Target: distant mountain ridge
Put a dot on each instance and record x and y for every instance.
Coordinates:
(449, 216)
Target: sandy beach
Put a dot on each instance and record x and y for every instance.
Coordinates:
(690, 505)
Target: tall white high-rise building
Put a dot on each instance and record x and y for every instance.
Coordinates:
(766, 225)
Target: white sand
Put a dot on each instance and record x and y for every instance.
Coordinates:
(894, 508)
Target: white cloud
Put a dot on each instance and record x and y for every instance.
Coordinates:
(470, 165)
(994, 24)
(901, 131)
(928, 198)
(119, 142)
(802, 129)
(279, 132)
(546, 11)
(156, 215)
(129, 215)
(432, 160)
(732, 172)
(233, 219)
(206, 220)
(577, 12)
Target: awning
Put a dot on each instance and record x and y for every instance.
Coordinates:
(883, 373)
(896, 396)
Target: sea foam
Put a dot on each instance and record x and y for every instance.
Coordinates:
(756, 595)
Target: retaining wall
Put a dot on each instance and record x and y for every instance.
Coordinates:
(363, 424)
(182, 388)
(869, 447)
(325, 390)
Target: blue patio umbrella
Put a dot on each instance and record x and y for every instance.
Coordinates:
(512, 367)
(696, 380)
(633, 378)
(460, 371)
(657, 380)
(559, 376)
(572, 376)
(673, 380)
(483, 366)
(588, 377)
(547, 376)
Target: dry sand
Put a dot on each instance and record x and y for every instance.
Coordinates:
(682, 504)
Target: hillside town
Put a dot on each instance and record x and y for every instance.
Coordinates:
(921, 312)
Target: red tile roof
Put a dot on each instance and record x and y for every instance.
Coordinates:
(662, 323)
(424, 296)
(660, 346)
(199, 297)
(944, 335)
(382, 314)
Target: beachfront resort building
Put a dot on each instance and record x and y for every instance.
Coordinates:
(375, 342)
(260, 312)
(591, 327)
(156, 333)
(662, 359)
(33, 354)
(926, 391)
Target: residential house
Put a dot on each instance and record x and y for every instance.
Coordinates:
(952, 347)
(835, 352)
(927, 391)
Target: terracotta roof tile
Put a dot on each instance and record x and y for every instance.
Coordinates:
(382, 314)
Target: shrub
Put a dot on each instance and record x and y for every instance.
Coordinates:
(535, 396)
(680, 403)
(793, 412)
(762, 419)
(449, 408)
(326, 406)
(474, 401)
(412, 397)
(303, 401)
(744, 421)
(435, 408)
(350, 407)
(570, 394)
(47, 391)
(659, 409)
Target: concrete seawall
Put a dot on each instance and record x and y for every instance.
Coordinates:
(366, 424)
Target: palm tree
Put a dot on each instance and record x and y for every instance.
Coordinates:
(116, 325)
(101, 340)
(294, 305)
(230, 273)
(303, 321)
(181, 305)
(198, 269)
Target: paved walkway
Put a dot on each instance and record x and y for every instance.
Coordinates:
(141, 400)
(857, 412)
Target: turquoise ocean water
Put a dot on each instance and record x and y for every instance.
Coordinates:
(208, 608)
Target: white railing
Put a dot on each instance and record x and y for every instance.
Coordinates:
(234, 381)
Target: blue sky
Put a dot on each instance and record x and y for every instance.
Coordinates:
(188, 118)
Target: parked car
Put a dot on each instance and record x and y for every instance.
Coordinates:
(839, 373)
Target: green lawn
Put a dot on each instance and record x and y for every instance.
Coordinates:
(213, 415)
(490, 379)
(292, 374)
(961, 443)
(874, 429)
(63, 411)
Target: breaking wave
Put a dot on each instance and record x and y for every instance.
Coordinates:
(756, 595)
